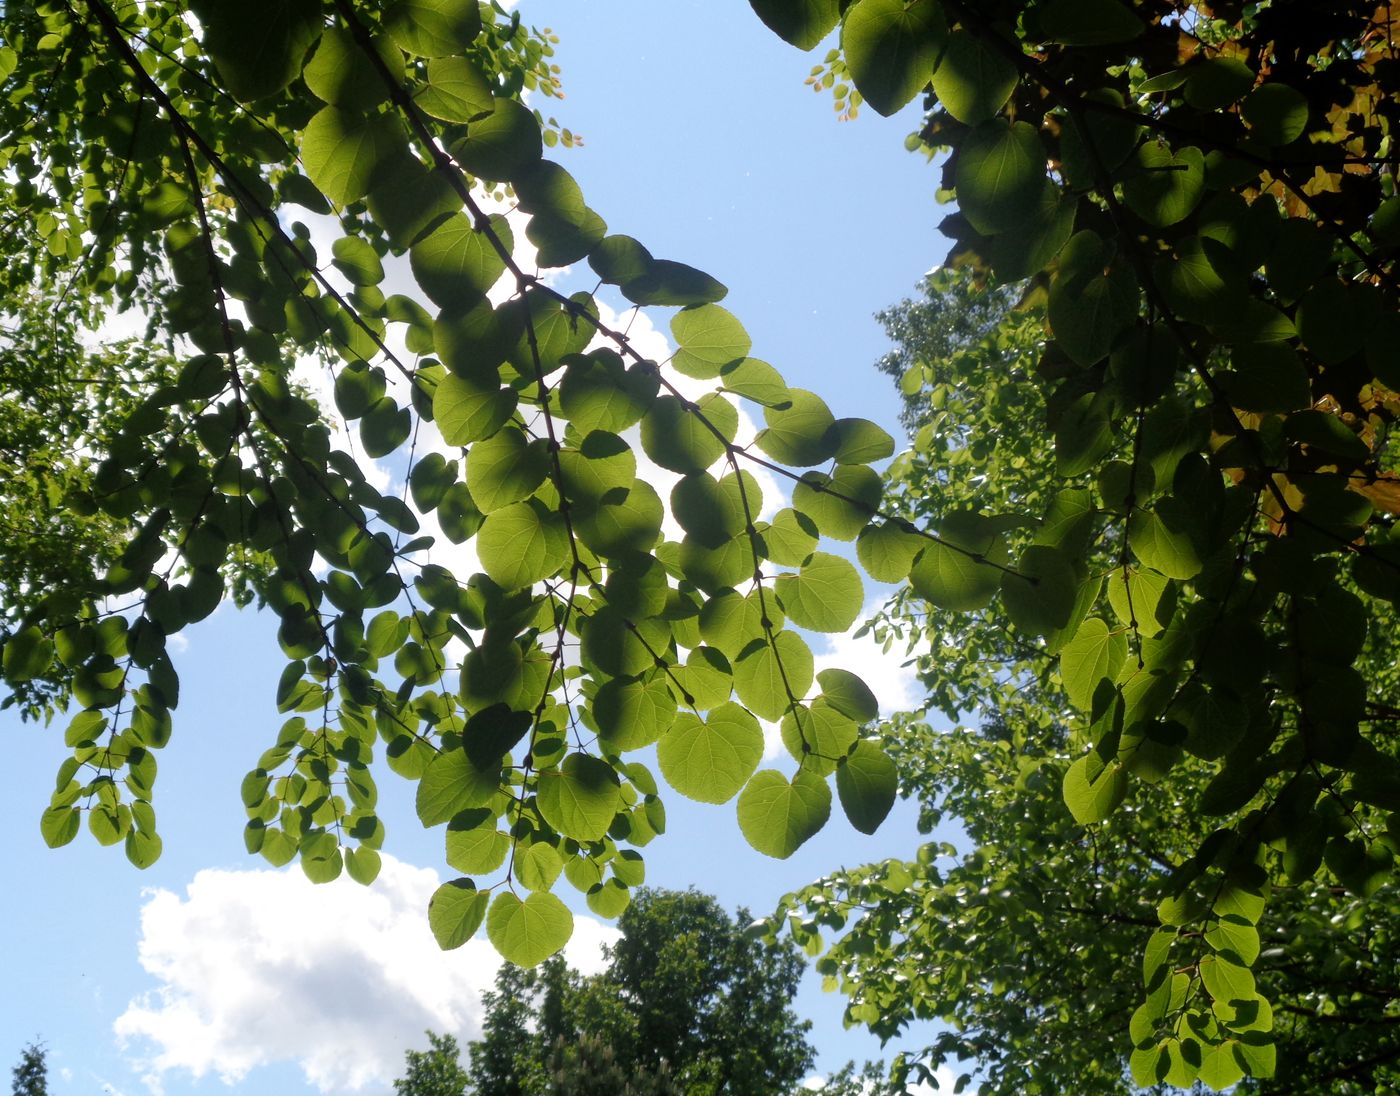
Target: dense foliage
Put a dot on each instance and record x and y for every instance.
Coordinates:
(1021, 937)
(688, 1003)
(182, 165)
(30, 1076)
(435, 1071)
(1202, 198)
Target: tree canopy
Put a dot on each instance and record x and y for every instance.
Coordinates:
(30, 1075)
(689, 1002)
(1202, 199)
(1022, 934)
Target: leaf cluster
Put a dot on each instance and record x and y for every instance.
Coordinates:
(253, 181)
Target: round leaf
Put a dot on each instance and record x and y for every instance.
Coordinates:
(529, 932)
(777, 815)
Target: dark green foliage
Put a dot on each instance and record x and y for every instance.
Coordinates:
(689, 1002)
(1017, 936)
(435, 1071)
(30, 1075)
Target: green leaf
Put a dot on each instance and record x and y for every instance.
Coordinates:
(790, 538)
(602, 467)
(633, 714)
(456, 91)
(453, 783)
(468, 409)
(342, 74)
(678, 438)
(357, 260)
(730, 621)
(1089, 22)
(27, 654)
(887, 551)
(537, 866)
(860, 441)
(433, 28)
(1144, 599)
(973, 79)
(1094, 654)
(1166, 186)
(755, 380)
(777, 816)
(818, 736)
(768, 677)
(891, 47)
(1087, 315)
(623, 526)
(143, 849)
(455, 264)
(1226, 980)
(825, 595)
(455, 912)
(501, 144)
(384, 427)
(474, 844)
(705, 510)
(59, 825)
(841, 504)
(1166, 539)
(711, 759)
(255, 65)
(363, 865)
(321, 859)
(848, 694)
(408, 199)
(523, 543)
(618, 260)
(1000, 174)
(708, 339)
(801, 433)
(963, 569)
(506, 468)
(599, 393)
(804, 23)
(529, 932)
(609, 898)
(1093, 788)
(580, 798)
(1236, 938)
(1213, 83)
(671, 283)
(866, 783)
(341, 151)
(1219, 1067)
(1277, 113)
(1040, 596)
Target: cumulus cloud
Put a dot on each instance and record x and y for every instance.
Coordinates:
(260, 967)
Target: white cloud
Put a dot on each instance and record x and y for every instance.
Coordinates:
(258, 967)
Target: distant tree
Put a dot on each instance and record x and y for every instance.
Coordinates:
(688, 1003)
(588, 1066)
(508, 1060)
(31, 1076)
(436, 1071)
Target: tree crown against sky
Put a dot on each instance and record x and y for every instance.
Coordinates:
(1200, 196)
(30, 1075)
(689, 1002)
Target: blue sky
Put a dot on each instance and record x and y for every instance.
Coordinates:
(703, 142)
